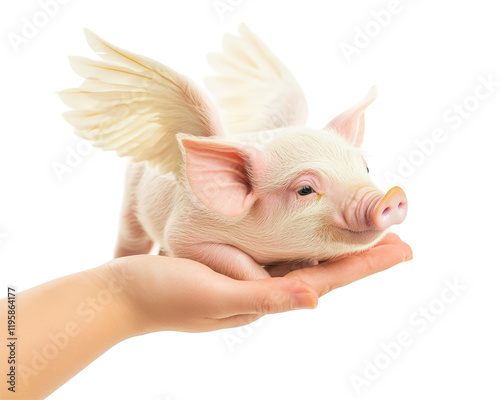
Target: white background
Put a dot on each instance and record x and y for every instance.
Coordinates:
(430, 56)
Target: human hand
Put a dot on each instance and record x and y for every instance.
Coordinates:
(329, 275)
(162, 293)
(179, 294)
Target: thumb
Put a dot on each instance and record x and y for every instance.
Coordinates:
(269, 296)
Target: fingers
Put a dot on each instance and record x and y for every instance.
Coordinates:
(331, 275)
(282, 270)
(267, 296)
(389, 238)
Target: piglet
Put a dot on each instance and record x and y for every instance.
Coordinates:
(253, 189)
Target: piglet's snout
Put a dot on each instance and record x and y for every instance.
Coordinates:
(391, 210)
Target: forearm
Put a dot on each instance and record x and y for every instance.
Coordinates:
(61, 327)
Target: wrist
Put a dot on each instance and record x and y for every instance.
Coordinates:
(113, 298)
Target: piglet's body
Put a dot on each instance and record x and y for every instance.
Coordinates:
(272, 192)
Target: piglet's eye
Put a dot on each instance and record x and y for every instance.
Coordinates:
(367, 169)
(305, 190)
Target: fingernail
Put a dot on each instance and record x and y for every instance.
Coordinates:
(408, 259)
(303, 300)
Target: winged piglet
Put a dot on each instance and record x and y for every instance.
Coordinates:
(253, 189)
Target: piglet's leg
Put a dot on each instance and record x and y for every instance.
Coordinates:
(227, 260)
(132, 239)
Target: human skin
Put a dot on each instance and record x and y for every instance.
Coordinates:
(74, 319)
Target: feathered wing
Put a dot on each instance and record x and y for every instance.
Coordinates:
(136, 106)
(253, 88)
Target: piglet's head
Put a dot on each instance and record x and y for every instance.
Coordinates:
(306, 193)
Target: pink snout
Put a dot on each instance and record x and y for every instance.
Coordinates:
(392, 209)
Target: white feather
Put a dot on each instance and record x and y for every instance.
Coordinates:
(135, 106)
(253, 88)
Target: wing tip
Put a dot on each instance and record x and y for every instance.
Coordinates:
(75, 62)
(91, 36)
(372, 93)
(68, 116)
(243, 28)
(95, 42)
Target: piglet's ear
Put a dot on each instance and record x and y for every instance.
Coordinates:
(351, 123)
(218, 174)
